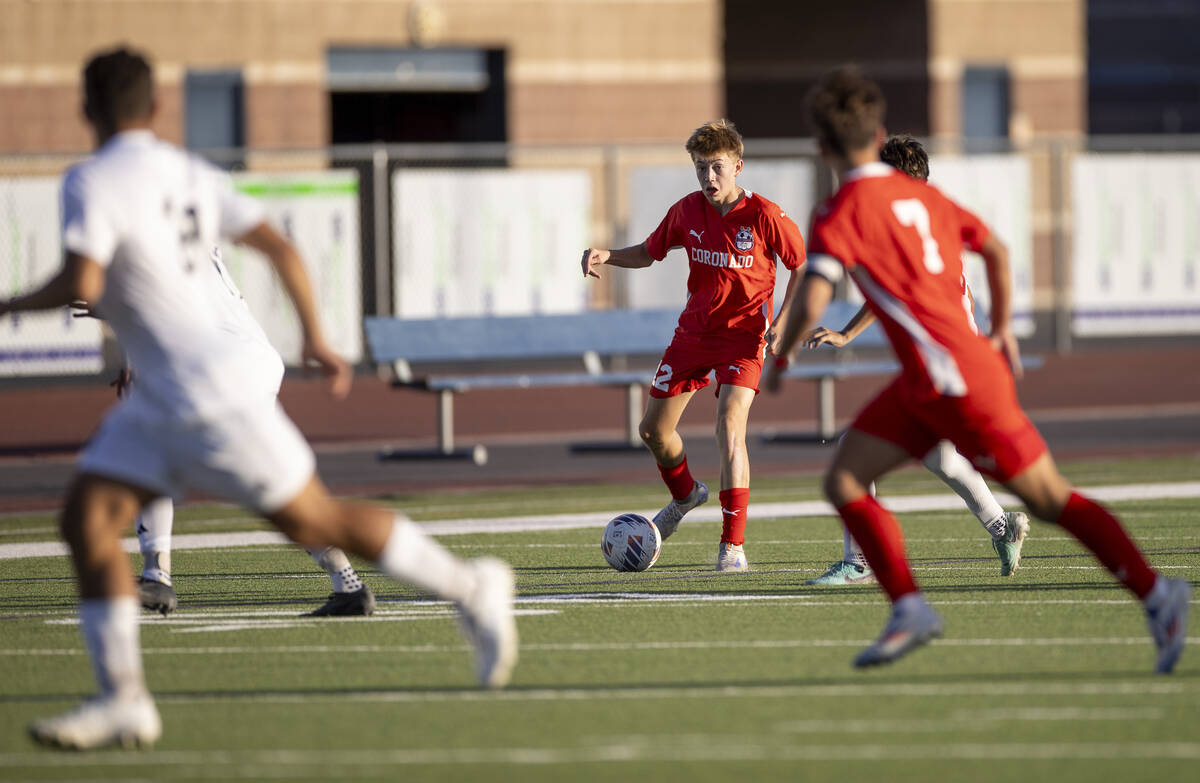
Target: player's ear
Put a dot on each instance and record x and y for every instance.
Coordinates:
(881, 135)
(737, 169)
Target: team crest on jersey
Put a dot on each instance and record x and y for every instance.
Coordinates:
(744, 240)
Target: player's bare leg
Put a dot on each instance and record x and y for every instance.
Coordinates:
(1052, 498)
(98, 510)
(733, 410)
(482, 589)
(860, 460)
(660, 434)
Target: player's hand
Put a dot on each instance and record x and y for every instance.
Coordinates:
(593, 258)
(772, 378)
(331, 365)
(823, 336)
(1005, 342)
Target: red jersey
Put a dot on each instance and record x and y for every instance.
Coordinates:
(902, 242)
(731, 258)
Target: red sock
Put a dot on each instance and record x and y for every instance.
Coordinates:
(878, 534)
(1100, 532)
(678, 479)
(733, 515)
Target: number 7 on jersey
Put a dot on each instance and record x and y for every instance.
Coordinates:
(912, 213)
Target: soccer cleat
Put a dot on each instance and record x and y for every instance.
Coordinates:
(730, 557)
(667, 520)
(360, 603)
(156, 596)
(1008, 546)
(1168, 624)
(488, 622)
(101, 722)
(843, 572)
(913, 623)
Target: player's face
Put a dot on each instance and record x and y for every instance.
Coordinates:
(717, 176)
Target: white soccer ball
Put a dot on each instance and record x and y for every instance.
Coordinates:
(631, 543)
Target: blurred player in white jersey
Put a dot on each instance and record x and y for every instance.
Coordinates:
(350, 596)
(1006, 529)
(139, 219)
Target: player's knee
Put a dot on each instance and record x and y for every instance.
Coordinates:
(653, 436)
(841, 486)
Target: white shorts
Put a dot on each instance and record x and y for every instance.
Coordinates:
(253, 456)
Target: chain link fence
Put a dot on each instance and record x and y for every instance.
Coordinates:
(1104, 234)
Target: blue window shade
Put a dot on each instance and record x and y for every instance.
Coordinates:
(213, 110)
(985, 103)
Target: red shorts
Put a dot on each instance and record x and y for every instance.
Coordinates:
(688, 360)
(990, 429)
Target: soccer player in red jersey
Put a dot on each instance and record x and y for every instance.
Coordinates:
(901, 241)
(733, 238)
(1007, 530)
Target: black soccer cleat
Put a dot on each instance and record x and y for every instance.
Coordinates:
(156, 596)
(360, 603)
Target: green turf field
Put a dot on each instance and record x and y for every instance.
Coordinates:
(671, 675)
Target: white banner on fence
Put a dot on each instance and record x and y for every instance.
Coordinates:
(997, 188)
(489, 242)
(652, 191)
(1137, 244)
(49, 343)
(318, 212)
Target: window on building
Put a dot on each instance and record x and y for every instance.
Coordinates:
(984, 106)
(214, 114)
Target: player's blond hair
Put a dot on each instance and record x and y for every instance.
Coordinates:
(846, 109)
(713, 138)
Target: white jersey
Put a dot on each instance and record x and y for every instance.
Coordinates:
(236, 320)
(151, 214)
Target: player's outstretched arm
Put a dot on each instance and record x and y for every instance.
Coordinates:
(290, 268)
(853, 328)
(999, 277)
(634, 257)
(80, 278)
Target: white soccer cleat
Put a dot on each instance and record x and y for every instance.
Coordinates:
(730, 557)
(1008, 546)
(101, 722)
(1168, 624)
(488, 622)
(667, 520)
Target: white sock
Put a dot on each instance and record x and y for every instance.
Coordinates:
(954, 469)
(851, 551)
(410, 555)
(154, 539)
(343, 576)
(110, 630)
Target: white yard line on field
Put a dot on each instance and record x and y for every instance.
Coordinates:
(660, 749)
(940, 502)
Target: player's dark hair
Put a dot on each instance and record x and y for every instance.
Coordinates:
(846, 109)
(713, 138)
(118, 87)
(906, 153)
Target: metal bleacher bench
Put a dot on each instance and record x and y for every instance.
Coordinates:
(509, 340)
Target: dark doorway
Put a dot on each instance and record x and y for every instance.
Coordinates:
(418, 96)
